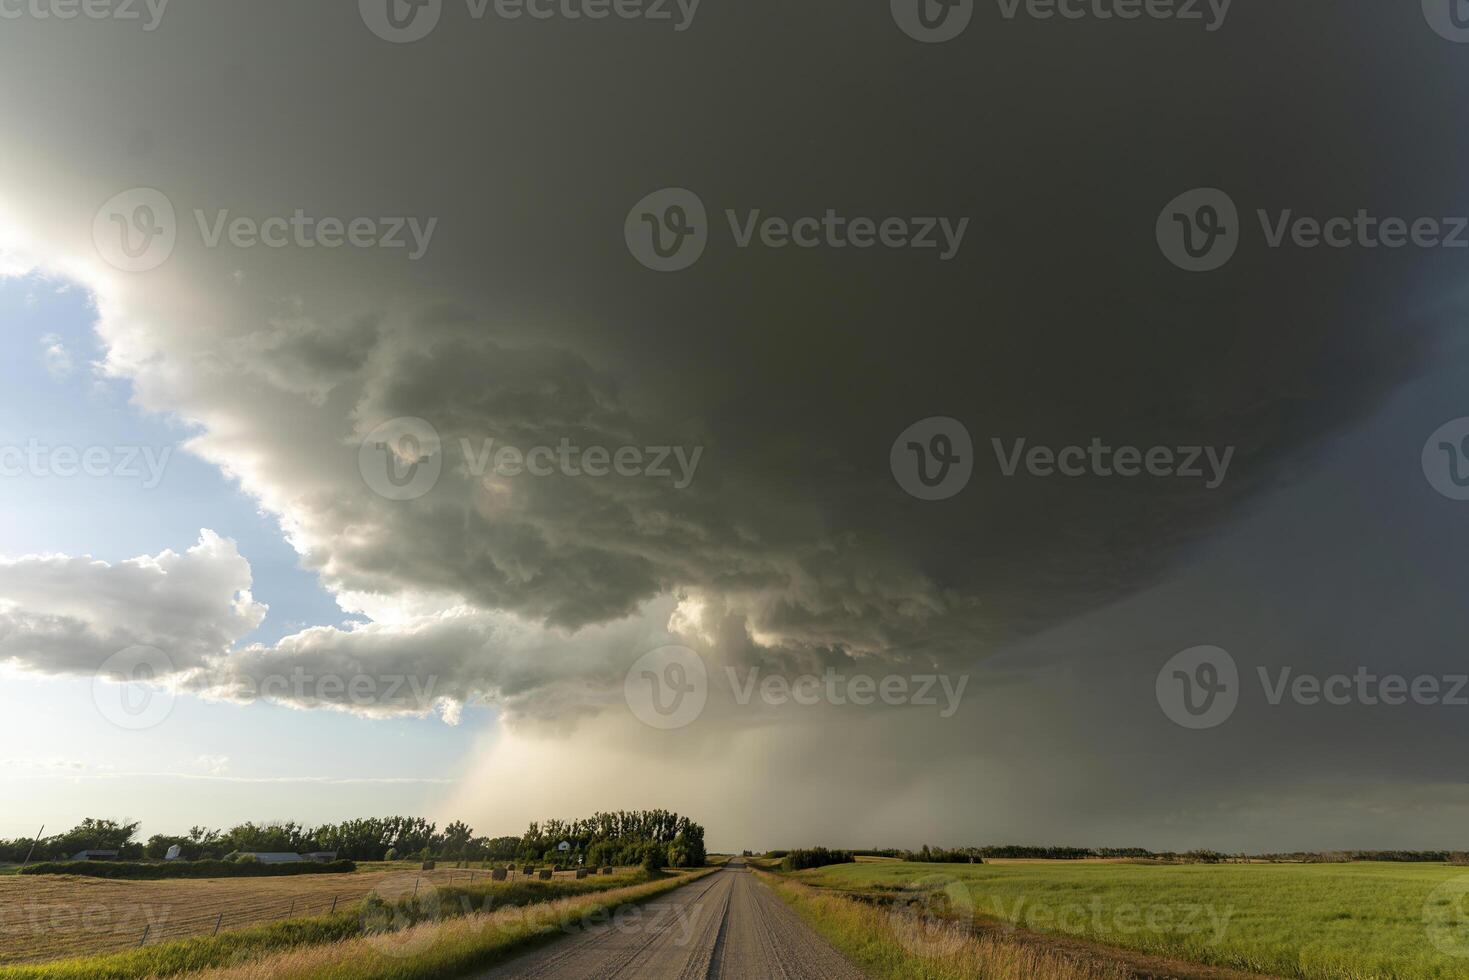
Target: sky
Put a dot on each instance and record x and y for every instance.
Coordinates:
(518, 420)
(228, 761)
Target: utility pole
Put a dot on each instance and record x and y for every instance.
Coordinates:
(33, 846)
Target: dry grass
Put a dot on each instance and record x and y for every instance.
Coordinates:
(49, 916)
(903, 945)
(440, 949)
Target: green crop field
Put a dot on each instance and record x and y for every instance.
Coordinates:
(1337, 921)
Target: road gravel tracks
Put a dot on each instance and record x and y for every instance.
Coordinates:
(726, 926)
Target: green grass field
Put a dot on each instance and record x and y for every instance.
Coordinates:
(1337, 921)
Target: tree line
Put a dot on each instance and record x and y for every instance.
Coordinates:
(928, 854)
(649, 837)
(652, 838)
(812, 857)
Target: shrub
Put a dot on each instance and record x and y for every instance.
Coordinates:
(940, 855)
(186, 869)
(391, 855)
(653, 858)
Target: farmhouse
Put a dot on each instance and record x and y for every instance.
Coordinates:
(94, 856)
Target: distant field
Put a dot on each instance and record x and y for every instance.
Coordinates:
(48, 916)
(1317, 921)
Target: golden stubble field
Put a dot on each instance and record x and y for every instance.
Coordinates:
(48, 916)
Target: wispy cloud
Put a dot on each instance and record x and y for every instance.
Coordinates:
(56, 357)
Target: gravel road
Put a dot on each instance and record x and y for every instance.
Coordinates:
(726, 926)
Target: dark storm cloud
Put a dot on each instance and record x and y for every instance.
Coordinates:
(1057, 322)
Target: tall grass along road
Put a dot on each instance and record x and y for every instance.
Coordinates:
(727, 926)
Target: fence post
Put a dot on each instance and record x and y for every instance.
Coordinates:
(291, 911)
(146, 927)
(415, 886)
(334, 904)
(218, 921)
